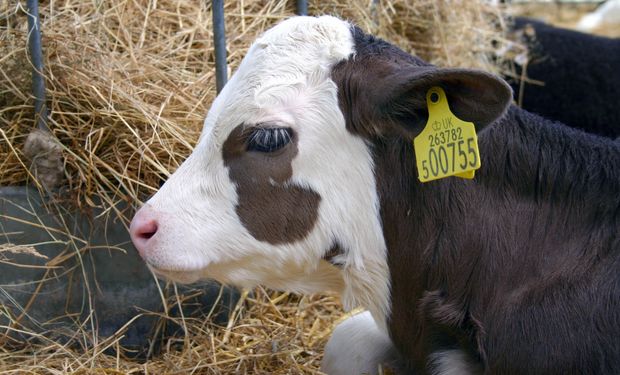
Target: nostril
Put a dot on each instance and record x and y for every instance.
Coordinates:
(143, 229)
(147, 230)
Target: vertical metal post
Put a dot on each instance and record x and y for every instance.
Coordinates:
(219, 40)
(374, 13)
(36, 55)
(302, 7)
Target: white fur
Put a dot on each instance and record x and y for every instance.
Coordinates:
(284, 79)
(451, 362)
(357, 346)
(608, 14)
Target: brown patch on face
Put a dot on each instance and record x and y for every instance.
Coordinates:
(269, 210)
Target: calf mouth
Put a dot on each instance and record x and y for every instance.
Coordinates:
(177, 276)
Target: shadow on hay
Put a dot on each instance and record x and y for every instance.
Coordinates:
(75, 278)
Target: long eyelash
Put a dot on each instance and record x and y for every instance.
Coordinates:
(263, 136)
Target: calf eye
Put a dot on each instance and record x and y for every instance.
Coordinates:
(268, 139)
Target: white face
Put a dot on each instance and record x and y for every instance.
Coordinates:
(253, 206)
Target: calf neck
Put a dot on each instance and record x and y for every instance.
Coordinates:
(514, 272)
(517, 268)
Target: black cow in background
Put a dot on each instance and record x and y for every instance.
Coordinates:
(581, 76)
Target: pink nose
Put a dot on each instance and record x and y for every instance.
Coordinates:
(142, 229)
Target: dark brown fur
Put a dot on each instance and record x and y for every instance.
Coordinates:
(518, 268)
(272, 211)
(581, 76)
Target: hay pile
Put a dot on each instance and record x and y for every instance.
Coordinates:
(268, 333)
(128, 85)
(129, 82)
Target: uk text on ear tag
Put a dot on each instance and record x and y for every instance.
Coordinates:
(447, 146)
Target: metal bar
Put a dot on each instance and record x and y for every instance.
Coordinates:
(36, 55)
(302, 7)
(219, 40)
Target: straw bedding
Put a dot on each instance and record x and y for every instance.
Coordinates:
(128, 85)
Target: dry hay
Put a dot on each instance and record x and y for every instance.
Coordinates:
(268, 333)
(130, 82)
(128, 85)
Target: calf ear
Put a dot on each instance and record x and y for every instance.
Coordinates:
(397, 101)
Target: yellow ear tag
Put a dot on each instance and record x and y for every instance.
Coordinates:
(447, 146)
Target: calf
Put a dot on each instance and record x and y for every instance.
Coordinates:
(606, 15)
(304, 179)
(573, 77)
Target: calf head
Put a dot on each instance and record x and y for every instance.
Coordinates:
(280, 189)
